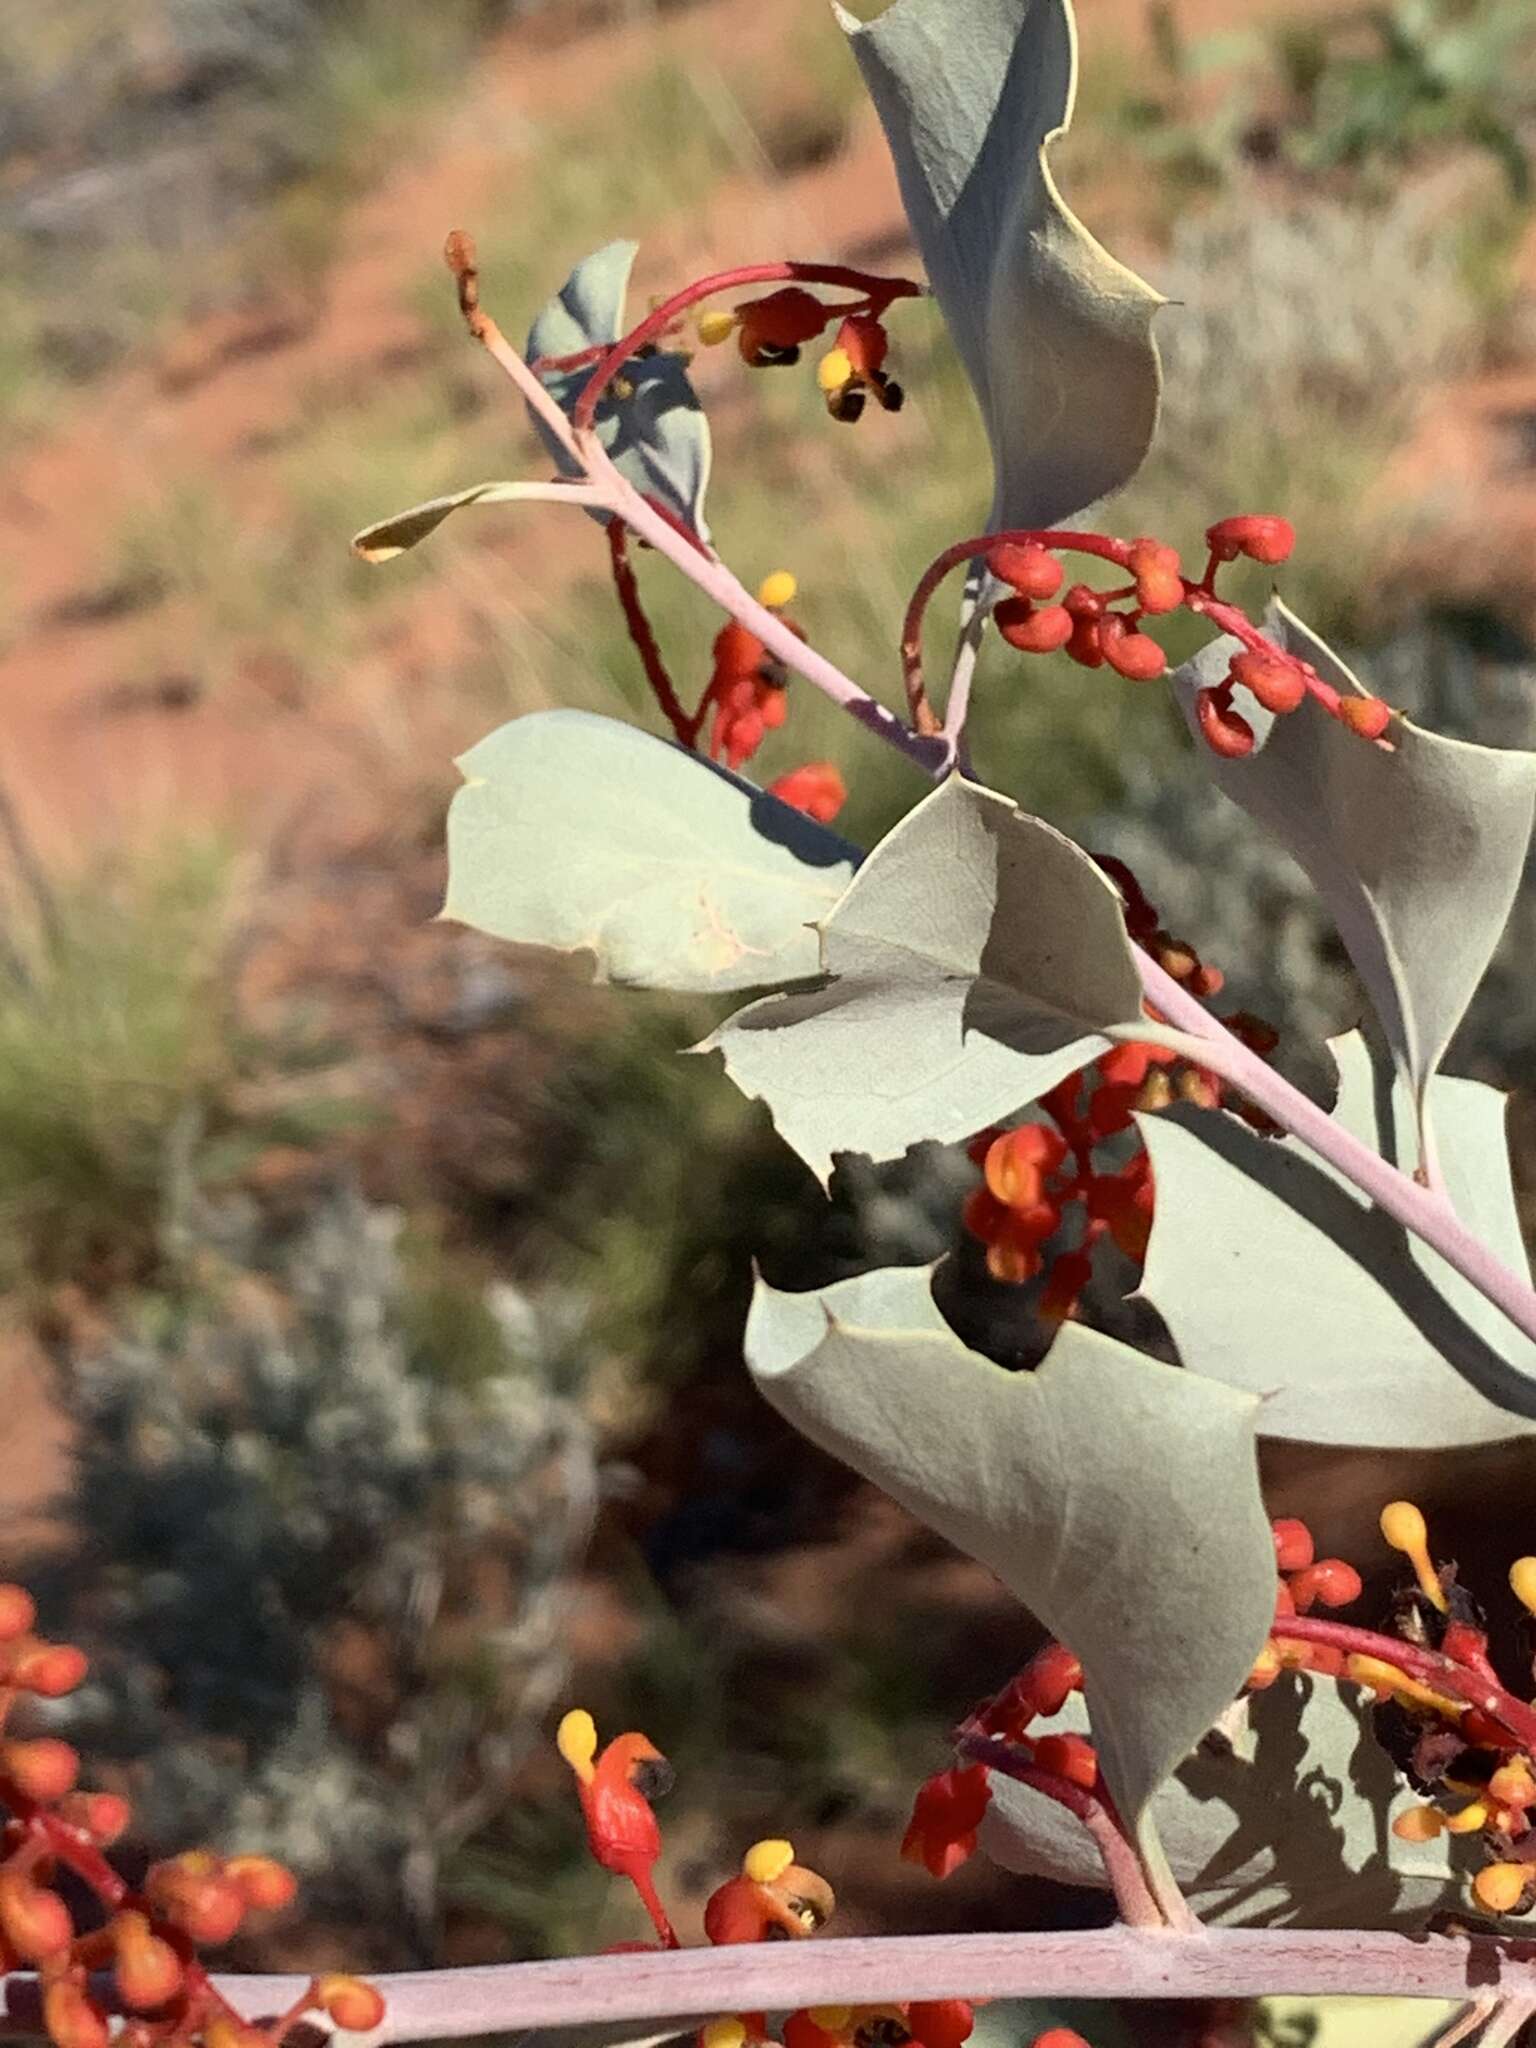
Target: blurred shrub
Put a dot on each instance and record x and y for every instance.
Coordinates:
(323, 1517)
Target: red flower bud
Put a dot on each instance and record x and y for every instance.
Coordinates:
(148, 1970)
(1136, 656)
(44, 1769)
(1278, 684)
(1032, 572)
(1048, 1679)
(1159, 583)
(1225, 731)
(1072, 1757)
(266, 1885)
(945, 1816)
(940, 2022)
(17, 1612)
(1262, 537)
(817, 789)
(1293, 1544)
(1368, 716)
(1330, 1581)
(350, 2002)
(35, 1922)
(73, 2018)
(1032, 631)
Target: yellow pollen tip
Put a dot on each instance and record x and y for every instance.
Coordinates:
(1470, 1821)
(723, 2033)
(831, 2019)
(1499, 1887)
(576, 1740)
(765, 1861)
(1522, 1581)
(835, 369)
(1402, 1526)
(777, 590)
(1386, 1678)
(715, 327)
(1418, 1824)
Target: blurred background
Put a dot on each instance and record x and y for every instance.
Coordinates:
(372, 1293)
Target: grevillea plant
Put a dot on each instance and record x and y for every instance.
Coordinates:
(1351, 1277)
(1277, 1788)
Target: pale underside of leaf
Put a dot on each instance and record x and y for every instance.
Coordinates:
(1116, 1497)
(653, 427)
(1291, 1826)
(1274, 1274)
(1416, 851)
(394, 536)
(977, 958)
(1055, 334)
(582, 834)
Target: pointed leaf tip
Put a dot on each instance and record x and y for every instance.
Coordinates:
(1055, 334)
(1116, 1497)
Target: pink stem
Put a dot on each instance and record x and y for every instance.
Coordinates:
(879, 292)
(1422, 1210)
(1122, 1866)
(1111, 1962)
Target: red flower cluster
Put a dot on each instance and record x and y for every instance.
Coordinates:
(772, 331)
(948, 1809)
(1035, 1172)
(1461, 1738)
(1102, 628)
(150, 1936)
(922, 2023)
(747, 686)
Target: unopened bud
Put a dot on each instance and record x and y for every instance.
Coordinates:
(350, 2002)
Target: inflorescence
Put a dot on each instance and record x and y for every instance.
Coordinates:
(138, 1954)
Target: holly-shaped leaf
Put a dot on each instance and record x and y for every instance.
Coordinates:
(580, 833)
(649, 421)
(1117, 1497)
(1055, 334)
(1288, 1822)
(1417, 849)
(977, 958)
(1276, 1275)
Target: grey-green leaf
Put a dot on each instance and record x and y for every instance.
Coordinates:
(654, 429)
(977, 958)
(1274, 1274)
(390, 537)
(1288, 1825)
(1055, 334)
(1118, 1498)
(582, 834)
(1417, 851)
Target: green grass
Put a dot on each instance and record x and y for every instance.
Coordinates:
(116, 1044)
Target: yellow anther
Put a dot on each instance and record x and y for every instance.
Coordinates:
(1265, 1666)
(1403, 1527)
(1522, 1581)
(832, 2019)
(765, 1861)
(1386, 1678)
(1419, 1824)
(777, 590)
(576, 1740)
(723, 2033)
(715, 327)
(1499, 1887)
(1470, 1821)
(835, 369)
